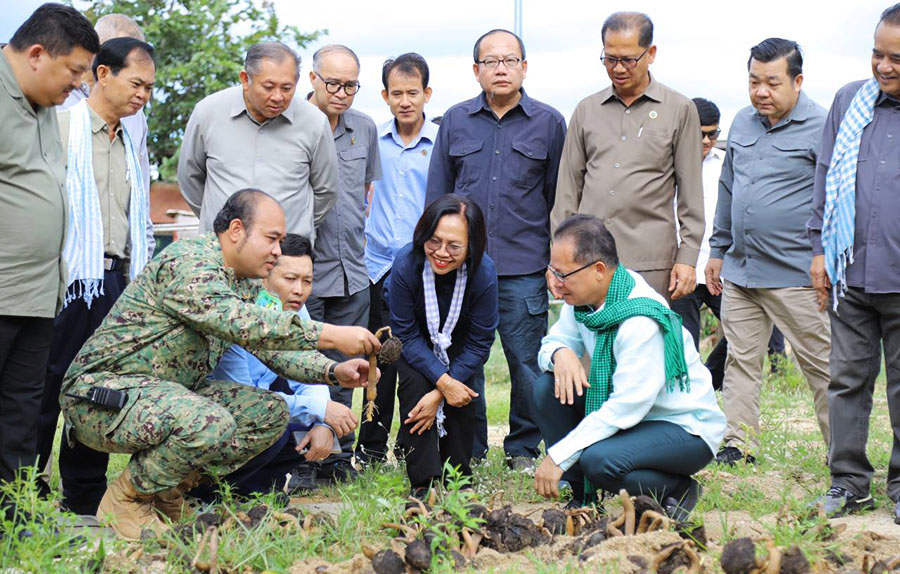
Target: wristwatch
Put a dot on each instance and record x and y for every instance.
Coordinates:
(330, 378)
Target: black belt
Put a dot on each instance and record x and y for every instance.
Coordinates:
(111, 263)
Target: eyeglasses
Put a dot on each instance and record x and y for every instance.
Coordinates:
(561, 277)
(454, 249)
(627, 63)
(491, 63)
(334, 86)
(711, 134)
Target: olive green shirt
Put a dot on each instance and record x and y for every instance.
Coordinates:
(32, 204)
(623, 164)
(179, 316)
(111, 176)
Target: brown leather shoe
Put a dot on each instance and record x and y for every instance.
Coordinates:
(171, 503)
(126, 510)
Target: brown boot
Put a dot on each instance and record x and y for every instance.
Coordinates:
(126, 510)
(171, 503)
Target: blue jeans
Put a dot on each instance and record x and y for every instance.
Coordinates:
(523, 323)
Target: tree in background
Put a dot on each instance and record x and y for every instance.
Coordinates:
(200, 48)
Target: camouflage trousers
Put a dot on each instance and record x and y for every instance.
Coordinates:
(171, 430)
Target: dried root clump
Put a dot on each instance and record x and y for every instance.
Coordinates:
(554, 521)
(507, 531)
(739, 557)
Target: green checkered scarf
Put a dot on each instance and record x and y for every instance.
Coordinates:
(605, 323)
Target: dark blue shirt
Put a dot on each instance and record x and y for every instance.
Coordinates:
(509, 168)
(876, 239)
(474, 332)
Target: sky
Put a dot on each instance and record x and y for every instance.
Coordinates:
(703, 46)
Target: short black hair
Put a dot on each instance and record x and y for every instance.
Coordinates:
(772, 49)
(891, 16)
(295, 245)
(59, 29)
(593, 241)
(241, 205)
(114, 54)
(495, 31)
(450, 204)
(709, 112)
(409, 64)
(621, 21)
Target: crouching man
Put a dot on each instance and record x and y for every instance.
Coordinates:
(310, 405)
(645, 418)
(167, 330)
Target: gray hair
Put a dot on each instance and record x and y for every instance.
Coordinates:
(117, 26)
(272, 51)
(332, 49)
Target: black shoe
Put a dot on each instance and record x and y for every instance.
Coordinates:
(303, 479)
(897, 512)
(679, 507)
(341, 470)
(731, 455)
(839, 501)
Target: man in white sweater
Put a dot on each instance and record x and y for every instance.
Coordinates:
(645, 417)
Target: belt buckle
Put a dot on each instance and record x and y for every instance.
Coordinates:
(109, 264)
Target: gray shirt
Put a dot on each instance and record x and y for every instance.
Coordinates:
(876, 239)
(340, 265)
(291, 157)
(765, 197)
(32, 204)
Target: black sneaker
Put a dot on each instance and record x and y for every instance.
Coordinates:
(303, 479)
(679, 508)
(839, 501)
(341, 470)
(731, 455)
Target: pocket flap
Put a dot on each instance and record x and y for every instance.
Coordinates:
(465, 148)
(531, 150)
(354, 152)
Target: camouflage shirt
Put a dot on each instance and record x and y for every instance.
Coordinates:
(178, 317)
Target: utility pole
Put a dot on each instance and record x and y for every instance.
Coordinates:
(517, 26)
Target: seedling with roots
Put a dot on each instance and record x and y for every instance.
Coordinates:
(391, 348)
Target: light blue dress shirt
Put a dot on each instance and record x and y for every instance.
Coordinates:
(306, 405)
(398, 199)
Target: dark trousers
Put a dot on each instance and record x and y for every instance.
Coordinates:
(655, 458)
(689, 309)
(426, 454)
(262, 473)
(81, 469)
(346, 311)
(24, 348)
(523, 323)
(863, 323)
(373, 436)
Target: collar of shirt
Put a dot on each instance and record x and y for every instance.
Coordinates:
(480, 103)
(715, 154)
(653, 92)
(428, 131)
(99, 124)
(799, 113)
(886, 99)
(239, 106)
(342, 125)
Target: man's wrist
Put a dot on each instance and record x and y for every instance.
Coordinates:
(329, 374)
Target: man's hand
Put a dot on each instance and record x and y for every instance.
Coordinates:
(551, 285)
(546, 478)
(682, 280)
(456, 394)
(354, 373)
(568, 375)
(348, 340)
(319, 440)
(820, 281)
(713, 276)
(424, 413)
(340, 418)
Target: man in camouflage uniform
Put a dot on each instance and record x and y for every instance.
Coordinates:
(165, 333)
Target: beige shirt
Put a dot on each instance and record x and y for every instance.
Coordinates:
(291, 157)
(623, 164)
(32, 205)
(111, 176)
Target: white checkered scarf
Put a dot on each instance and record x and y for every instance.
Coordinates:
(441, 338)
(839, 219)
(83, 250)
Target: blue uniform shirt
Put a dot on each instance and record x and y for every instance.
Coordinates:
(398, 199)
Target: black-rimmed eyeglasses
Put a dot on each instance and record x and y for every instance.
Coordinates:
(334, 86)
(627, 63)
(491, 63)
(561, 277)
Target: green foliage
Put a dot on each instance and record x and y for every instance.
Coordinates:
(200, 49)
